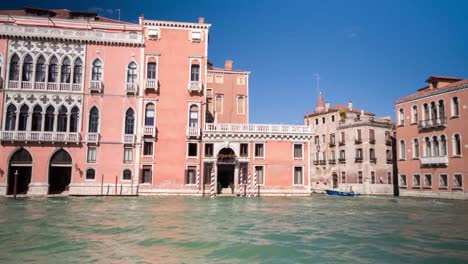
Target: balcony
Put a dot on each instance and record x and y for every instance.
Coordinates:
(13, 85)
(26, 85)
(151, 84)
(388, 141)
(440, 161)
(95, 86)
(332, 161)
(372, 141)
(131, 88)
(193, 132)
(149, 131)
(341, 143)
(331, 144)
(358, 141)
(92, 138)
(316, 162)
(358, 160)
(322, 162)
(341, 160)
(41, 86)
(373, 160)
(195, 86)
(128, 139)
(436, 123)
(52, 86)
(389, 161)
(65, 87)
(36, 136)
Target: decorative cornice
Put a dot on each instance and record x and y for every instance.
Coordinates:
(73, 35)
(172, 24)
(229, 72)
(366, 123)
(454, 89)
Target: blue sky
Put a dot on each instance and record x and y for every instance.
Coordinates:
(371, 52)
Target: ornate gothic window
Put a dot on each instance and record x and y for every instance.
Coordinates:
(132, 73)
(65, 71)
(23, 118)
(14, 68)
(36, 118)
(62, 119)
(93, 120)
(27, 69)
(74, 117)
(96, 73)
(10, 120)
(129, 122)
(53, 70)
(77, 71)
(149, 115)
(49, 119)
(40, 69)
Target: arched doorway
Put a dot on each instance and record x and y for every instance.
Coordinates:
(20, 163)
(60, 168)
(226, 166)
(335, 180)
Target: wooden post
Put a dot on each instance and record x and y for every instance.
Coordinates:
(15, 184)
(131, 186)
(115, 192)
(102, 185)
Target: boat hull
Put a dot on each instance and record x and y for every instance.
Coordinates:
(338, 193)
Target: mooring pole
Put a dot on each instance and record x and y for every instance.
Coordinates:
(15, 184)
(102, 185)
(115, 186)
(131, 187)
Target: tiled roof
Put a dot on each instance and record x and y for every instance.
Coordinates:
(339, 107)
(429, 92)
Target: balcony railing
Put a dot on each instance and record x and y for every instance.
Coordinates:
(332, 161)
(434, 161)
(372, 141)
(389, 161)
(257, 128)
(388, 141)
(52, 87)
(151, 84)
(149, 131)
(26, 85)
(432, 123)
(65, 87)
(341, 143)
(331, 144)
(128, 139)
(358, 141)
(33, 136)
(373, 160)
(92, 138)
(316, 162)
(131, 88)
(358, 160)
(322, 162)
(193, 132)
(95, 86)
(341, 160)
(195, 86)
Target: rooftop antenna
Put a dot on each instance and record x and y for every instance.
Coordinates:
(119, 12)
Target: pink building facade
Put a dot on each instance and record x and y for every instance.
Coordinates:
(93, 106)
(431, 139)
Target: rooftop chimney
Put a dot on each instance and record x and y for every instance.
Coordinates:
(350, 105)
(327, 106)
(228, 65)
(201, 20)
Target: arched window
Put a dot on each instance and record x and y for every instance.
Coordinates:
(61, 157)
(414, 114)
(14, 68)
(36, 118)
(62, 119)
(93, 125)
(241, 105)
(428, 147)
(195, 73)
(40, 69)
(49, 119)
(53, 70)
(441, 112)
(193, 116)
(127, 175)
(435, 145)
(151, 69)
(65, 75)
(77, 71)
(96, 73)
(74, 117)
(433, 112)
(457, 145)
(149, 115)
(129, 122)
(402, 150)
(455, 106)
(426, 112)
(443, 145)
(27, 69)
(401, 117)
(10, 120)
(90, 174)
(132, 72)
(23, 118)
(415, 148)
(219, 104)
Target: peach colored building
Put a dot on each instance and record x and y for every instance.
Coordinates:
(431, 129)
(91, 106)
(350, 149)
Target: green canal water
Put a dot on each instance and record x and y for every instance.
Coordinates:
(317, 229)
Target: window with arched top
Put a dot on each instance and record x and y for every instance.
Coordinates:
(455, 106)
(27, 69)
(219, 103)
(193, 116)
(129, 122)
(10, 120)
(195, 72)
(127, 175)
(61, 157)
(53, 70)
(49, 119)
(149, 115)
(65, 73)
(415, 148)
(74, 117)
(443, 145)
(23, 118)
(132, 73)
(414, 114)
(40, 69)
(93, 125)
(21, 156)
(433, 112)
(457, 145)
(96, 71)
(428, 147)
(62, 119)
(436, 146)
(441, 107)
(14, 68)
(402, 150)
(401, 117)
(426, 112)
(77, 71)
(241, 105)
(36, 123)
(90, 174)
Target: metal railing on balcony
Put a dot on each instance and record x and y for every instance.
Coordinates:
(373, 160)
(358, 141)
(95, 86)
(331, 144)
(151, 84)
(332, 161)
(149, 131)
(358, 160)
(258, 128)
(341, 160)
(128, 139)
(193, 132)
(92, 138)
(341, 143)
(322, 162)
(131, 88)
(389, 160)
(316, 162)
(434, 161)
(195, 86)
(432, 123)
(36, 136)
(372, 140)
